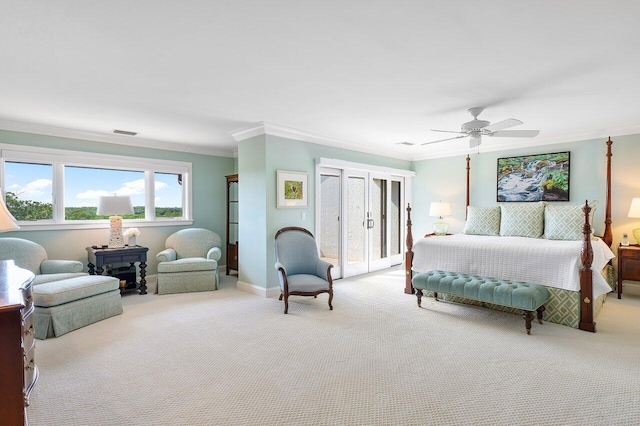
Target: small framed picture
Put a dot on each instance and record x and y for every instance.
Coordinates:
(292, 190)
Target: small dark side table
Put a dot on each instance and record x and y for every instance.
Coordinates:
(98, 257)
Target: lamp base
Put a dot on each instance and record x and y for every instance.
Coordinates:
(636, 235)
(440, 227)
(115, 232)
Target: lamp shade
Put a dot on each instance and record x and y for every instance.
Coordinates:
(7, 221)
(634, 210)
(440, 209)
(114, 205)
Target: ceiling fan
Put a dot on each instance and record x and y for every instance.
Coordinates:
(475, 129)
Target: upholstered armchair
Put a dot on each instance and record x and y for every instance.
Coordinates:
(65, 298)
(300, 270)
(189, 262)
(32, 256)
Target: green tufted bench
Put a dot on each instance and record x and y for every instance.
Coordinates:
(513, 294)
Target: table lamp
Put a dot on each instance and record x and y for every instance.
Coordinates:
(115, 205)
(440, 227)
(7, 221)
(634, 212)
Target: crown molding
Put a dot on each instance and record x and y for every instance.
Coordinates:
(40, 129)
(270, 129)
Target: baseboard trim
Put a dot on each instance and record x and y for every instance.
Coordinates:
(257, 290)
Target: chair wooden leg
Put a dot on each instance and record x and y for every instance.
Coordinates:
(281, 295)
(540, 310)
(330, 299)
(419, 296)
(286, 303)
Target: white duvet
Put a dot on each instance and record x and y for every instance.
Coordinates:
(550, 263)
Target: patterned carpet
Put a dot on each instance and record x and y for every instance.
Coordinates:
(230, 358)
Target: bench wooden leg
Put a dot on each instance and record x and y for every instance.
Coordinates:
(435, 295)
(540, 310)
(528, 316)
(419, 296)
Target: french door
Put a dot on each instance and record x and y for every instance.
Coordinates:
(370, 234)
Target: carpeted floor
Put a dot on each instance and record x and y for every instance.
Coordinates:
(230, 358)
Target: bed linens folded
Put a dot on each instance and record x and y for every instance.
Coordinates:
(551, 263)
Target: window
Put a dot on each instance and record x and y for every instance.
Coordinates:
(49, 189)
(28, 190)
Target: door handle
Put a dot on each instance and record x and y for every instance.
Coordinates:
(370, 223)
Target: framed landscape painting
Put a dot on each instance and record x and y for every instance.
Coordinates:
(292, 189)
(541, 177)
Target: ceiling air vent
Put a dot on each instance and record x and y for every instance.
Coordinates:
(405, 143)
(125, 132)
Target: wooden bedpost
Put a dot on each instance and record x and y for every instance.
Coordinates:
(468, 168)
(408, 258)
(586, 279)
(607, 237)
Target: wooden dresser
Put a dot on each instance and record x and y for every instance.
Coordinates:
(18, 371)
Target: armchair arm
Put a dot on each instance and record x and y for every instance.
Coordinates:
(214, 254)
(323, 270)
(282, 274)
(60, 266)
(166, 255)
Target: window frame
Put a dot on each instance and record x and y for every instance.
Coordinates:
(59, 158)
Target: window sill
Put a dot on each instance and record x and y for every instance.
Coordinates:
(127, 223)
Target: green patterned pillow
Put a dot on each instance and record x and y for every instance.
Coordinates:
(482, 221)
(565, 222)
(522, 219)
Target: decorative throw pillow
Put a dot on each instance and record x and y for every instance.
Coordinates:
(522, 219)
(563, 222)
(482, 221)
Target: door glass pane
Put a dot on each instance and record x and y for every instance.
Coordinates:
(356, 220)
(394, 219)
(330, 219)
(29, 192)
(377, 219)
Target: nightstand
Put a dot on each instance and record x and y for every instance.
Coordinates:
(628, 264)
(99, 257)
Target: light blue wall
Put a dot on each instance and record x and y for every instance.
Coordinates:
(209, 195)
(262, 165)
(445, 179)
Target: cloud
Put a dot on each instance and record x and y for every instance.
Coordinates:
(32, 189)
(92, 194)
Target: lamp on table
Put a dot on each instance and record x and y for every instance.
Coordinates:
(634, 212)
(115, 205)
(440, 227)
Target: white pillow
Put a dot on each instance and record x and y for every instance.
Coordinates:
(482, 221)
(522, 219)
(565, 222)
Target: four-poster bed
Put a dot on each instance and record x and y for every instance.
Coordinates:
(574, 306)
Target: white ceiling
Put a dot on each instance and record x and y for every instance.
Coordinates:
(363, 75)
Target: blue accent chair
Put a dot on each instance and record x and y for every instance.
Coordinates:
(300, 270)
(189, 262)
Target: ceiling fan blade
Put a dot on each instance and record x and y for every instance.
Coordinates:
(442, 140)
(516, 133)
(447, 131)
(504, 124)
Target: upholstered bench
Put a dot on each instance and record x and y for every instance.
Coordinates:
(68, 303)
(526, 296)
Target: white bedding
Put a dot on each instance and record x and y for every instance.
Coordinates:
(551, 263)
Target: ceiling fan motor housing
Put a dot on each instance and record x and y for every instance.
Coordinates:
(472, 125)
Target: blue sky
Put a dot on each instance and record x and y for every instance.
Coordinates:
(83, 186)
